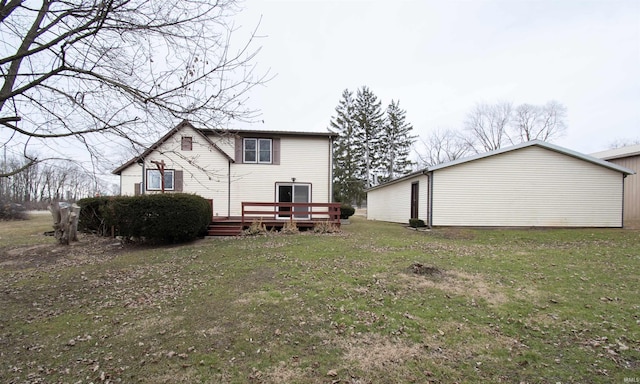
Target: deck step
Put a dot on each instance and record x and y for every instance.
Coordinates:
(224, 230)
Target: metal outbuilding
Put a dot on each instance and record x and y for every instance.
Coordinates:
(532, 184)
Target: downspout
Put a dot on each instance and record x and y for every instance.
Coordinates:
(624, 176)
(143, 185)
(229, 189)
(430, 198)
(330, 197)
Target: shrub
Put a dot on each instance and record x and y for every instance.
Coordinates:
(325, 227)
(12, 211)
(290, 228)
(416, 223)
(256, 228)
(169, 217)
(346, 211)
(92, 214)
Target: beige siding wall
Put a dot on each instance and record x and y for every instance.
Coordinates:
(304, 158)
(527, 187)
(393, 202)
(204, 169)
(206, 172)
(631, 191)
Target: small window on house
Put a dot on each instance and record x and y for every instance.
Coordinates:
(257, 151)
(187, 142)
(154, 181)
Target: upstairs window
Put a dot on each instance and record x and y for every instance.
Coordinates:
(257, 151)
(187, 143)
(154, 180)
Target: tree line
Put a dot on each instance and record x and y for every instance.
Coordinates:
(39, 184)
(372, 145)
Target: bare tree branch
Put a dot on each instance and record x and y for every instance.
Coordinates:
(441, 146)
(119, 70)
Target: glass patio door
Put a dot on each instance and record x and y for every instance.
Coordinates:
(293, 193)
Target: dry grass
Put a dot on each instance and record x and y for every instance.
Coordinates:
(491, 306)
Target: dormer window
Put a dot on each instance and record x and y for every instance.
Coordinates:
(257, 151)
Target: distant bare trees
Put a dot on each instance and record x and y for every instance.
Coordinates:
(441, 146)
(538, 122)
(42, 183)
(488, 127)
(619, 143)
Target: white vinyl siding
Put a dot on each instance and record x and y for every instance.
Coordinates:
(206, 171)
(531, 186)
(305, 159)
(204, 168)
(393, 202)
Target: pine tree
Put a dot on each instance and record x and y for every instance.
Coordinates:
(369, 120)
(396, 142)
(347, 187)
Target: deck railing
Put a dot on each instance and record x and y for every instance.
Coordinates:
(292, 211)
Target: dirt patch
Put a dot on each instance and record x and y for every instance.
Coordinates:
(88, 248)
(425, 270)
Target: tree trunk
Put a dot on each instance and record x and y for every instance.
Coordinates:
(65, 222)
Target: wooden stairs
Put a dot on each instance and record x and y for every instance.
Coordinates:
(224, 228)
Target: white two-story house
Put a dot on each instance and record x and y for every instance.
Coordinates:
(234, 167)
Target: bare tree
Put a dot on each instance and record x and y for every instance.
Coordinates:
(441, 146)
(538, 122)
(487, 125)
(619, 143)
(90, 72)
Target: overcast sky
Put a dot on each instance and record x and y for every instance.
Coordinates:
(440, 58)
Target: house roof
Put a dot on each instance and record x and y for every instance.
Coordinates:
(539, 143)
(205, 133)
(610, 154)
(249, 132)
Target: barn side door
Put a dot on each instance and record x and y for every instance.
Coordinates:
(414, 200)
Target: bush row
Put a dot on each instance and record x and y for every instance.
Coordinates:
(170, 217)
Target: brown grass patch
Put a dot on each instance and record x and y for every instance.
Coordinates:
(376, 352)
(282, 373)
(457, 283)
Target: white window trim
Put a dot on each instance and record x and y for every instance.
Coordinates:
(257, 151)
(159, 188)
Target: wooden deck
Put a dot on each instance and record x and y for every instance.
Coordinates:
(275, 216)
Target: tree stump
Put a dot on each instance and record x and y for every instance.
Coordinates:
(65, 221)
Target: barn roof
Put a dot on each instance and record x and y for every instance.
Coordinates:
(538, 143)
(617, 153)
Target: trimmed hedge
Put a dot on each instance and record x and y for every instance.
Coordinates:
(416, 223)
(169, 217)
(346, 211)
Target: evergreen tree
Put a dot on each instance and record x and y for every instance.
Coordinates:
(369, 120)
(370, 148)
(396, 143)
(347, 186)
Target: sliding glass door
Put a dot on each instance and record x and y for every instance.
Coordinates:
(293, 193)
